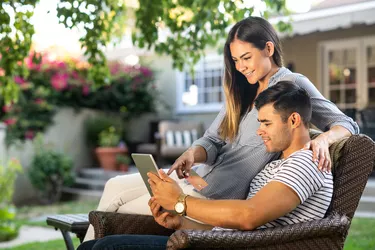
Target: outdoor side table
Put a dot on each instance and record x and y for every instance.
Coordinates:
(75, 223)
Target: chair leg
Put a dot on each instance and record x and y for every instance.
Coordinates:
(80, 236)
(68, 240)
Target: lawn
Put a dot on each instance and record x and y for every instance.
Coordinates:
(24, 214)
(361, 234)
(53, 244)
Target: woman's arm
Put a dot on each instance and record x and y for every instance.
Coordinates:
(325, 114)
(327, 117)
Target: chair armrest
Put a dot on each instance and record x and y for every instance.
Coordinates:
(329, 232)
(108, 223)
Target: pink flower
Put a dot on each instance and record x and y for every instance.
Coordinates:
(7, 108)
(75, 75)
(29, 134)
(2, 72)
(114, 69)
(10, 121)
(61, 65)
(31, 65)
(145, 71)
(85, 90)
(19, 80)
(59, 81)
(39, 101)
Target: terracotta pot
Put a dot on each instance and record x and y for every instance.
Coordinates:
(107, 156)
(123, 167)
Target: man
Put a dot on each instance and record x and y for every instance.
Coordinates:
(287, 191)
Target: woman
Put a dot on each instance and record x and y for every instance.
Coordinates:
(231, 151)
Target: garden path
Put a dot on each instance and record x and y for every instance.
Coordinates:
(28, 234)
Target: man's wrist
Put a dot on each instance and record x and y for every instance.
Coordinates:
(180, 205)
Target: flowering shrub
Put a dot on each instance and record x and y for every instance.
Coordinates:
(56, 83)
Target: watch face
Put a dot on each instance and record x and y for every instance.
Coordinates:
(179, 207)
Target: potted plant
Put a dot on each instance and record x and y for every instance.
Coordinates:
(123, 162)
(109, 148)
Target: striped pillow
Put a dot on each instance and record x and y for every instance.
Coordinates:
(180, 138)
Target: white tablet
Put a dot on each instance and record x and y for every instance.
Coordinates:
(145, 163)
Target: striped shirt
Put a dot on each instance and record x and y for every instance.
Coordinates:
(230, 166)
(313, 187)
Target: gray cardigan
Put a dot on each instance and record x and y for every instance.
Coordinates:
(230, 167)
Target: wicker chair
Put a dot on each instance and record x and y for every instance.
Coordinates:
(353, 159)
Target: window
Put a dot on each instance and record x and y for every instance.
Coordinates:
(203, 92)
(348, 72)
(369, 46)
(348, 78)
(341, 78)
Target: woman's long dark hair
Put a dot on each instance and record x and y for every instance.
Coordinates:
(239, 94)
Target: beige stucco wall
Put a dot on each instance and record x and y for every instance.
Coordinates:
(303, 50)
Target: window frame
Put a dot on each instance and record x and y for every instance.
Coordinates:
(211, 61)
(358, 43)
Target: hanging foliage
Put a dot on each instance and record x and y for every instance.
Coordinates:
(182, 29)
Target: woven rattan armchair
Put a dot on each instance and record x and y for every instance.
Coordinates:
(353, 160)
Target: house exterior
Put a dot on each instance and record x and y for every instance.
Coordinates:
(333, 45)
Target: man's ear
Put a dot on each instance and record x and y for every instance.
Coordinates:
(295, 120)
(270, 48)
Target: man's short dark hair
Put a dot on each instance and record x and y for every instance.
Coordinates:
(287, 98)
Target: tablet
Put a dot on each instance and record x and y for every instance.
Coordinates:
(145, 163)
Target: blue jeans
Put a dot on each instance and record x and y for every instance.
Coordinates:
(126, 242)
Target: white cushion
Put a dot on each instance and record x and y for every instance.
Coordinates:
(180, 138)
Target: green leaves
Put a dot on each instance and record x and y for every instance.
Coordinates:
(8, 174)
(99, 19)
(49, 171)
(183, 29)
(8, 229)
(15, 44)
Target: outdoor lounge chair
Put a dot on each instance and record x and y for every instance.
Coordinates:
(167, 148)
(353, 162)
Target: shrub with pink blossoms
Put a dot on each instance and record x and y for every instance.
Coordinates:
(59, 83)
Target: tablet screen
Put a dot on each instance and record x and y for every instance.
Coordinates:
(145, 163)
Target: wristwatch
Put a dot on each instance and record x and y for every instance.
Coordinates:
(180, 206)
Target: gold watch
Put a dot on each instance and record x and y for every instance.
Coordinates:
(180, 206)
